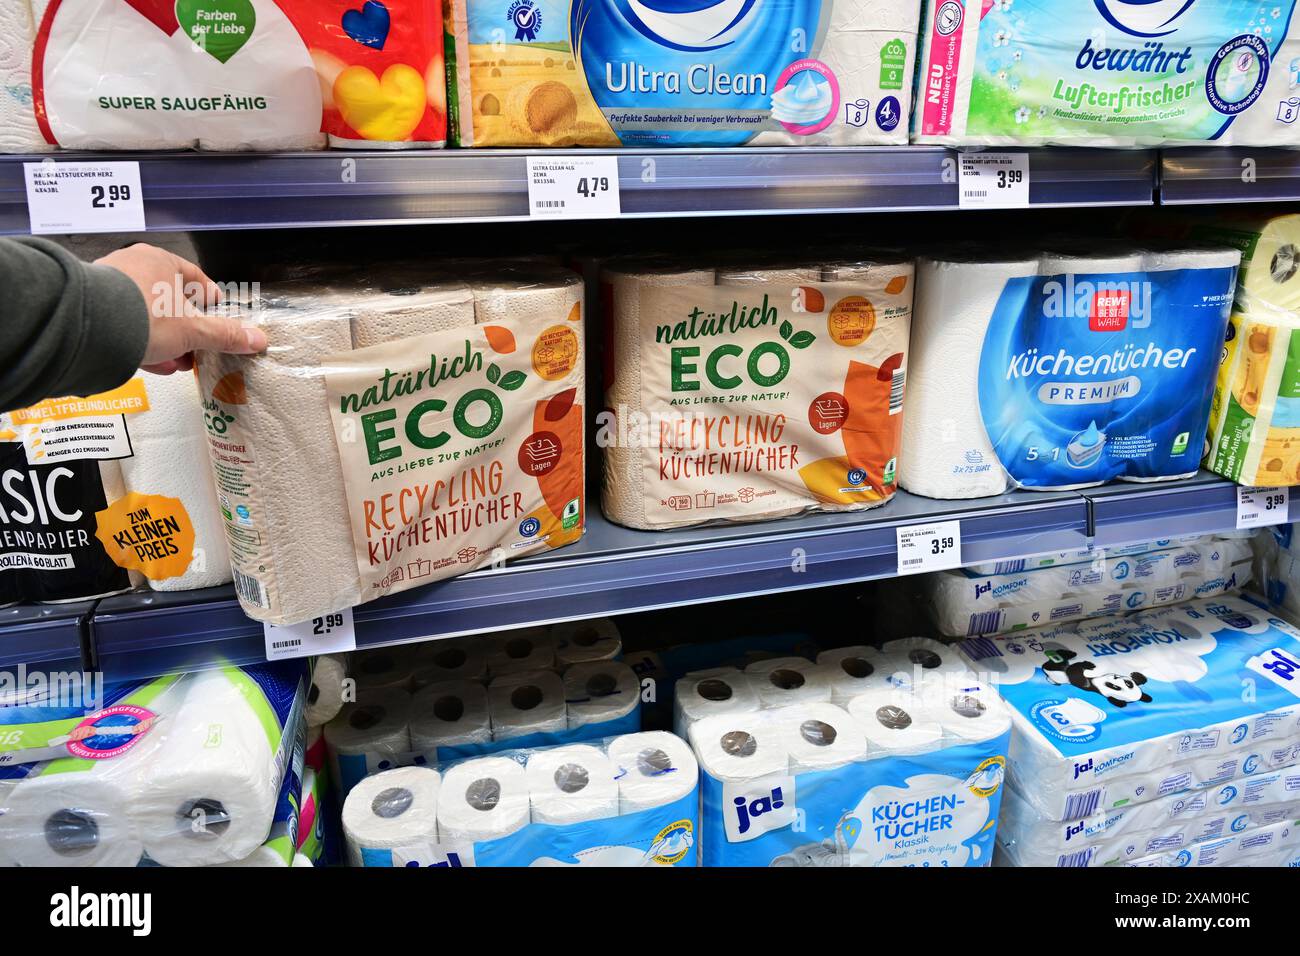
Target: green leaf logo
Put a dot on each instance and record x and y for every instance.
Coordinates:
(219, 28)
(493, 373)
(801, 340)
(787, 330)
(512, 380)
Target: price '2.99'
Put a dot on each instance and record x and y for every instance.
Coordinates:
(326, 624)
(106, 197)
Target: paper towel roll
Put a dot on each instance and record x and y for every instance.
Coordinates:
(310, 558)
(896, 722)
(325, 696)
(854, 670)
(110, 473)
(447, 714)
(790, 274)
(967, 709)
(1085, 262)
(578, 641)
(72, 819)
(789, 680)
(527, 649)
(528, 291)
(531, 702)
(372, 730)
(384, 668)
(1183, 256)
(740, 747)
(483, 799)
(571, 784)
(599, 691)
(209, 791)
(19, 132)
(455, 659)
(818, 736)
(623, 498)
(392, 809)
(722, 690)
(946, 451)
(1270, 262)
(400, 308)
(653, 769)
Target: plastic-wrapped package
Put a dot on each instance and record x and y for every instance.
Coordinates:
(1013, 386)
(351, 473)
(1112, 73)
(186, 769)
(964, 603)
(751, 394)
(1273, 846)
(597, 73)
(1053, 559)
(113, 75)
(892, 778)
(1124, 711)
(630, 800)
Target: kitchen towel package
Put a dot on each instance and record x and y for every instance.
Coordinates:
(727, 73)
(964, 603)
(1060, 371)
(753, 400)
(141, 75)
(1273, 846)
(281, 844)
(352, 473)
(1124, 711)
(1107, 73)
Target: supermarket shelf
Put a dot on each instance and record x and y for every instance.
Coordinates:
(185, 191)
(612, 570)
(1234, 175)
(45, 636)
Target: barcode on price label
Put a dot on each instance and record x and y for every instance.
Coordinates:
(328, 634)
(573, 187)
(989, 180)
(929, 547)
(1261, 507)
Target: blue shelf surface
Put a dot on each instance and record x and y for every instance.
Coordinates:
(45, 636)
(192, 191)
(1200, 175)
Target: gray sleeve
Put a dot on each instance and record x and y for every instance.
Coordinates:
(69, 328)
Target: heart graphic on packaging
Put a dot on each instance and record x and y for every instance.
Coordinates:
(161, 13)
(369, 25)
(218, 27)
(387, 109)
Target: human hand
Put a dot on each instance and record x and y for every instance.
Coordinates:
(175, 292)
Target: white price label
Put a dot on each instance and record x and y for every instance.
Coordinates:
(929, 547)
(84, 197)
(992, 180)
(327, 634)
(1261, 507)
(573, 187)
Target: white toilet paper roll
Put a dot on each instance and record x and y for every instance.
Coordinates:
(920, 657)
(854, 670)
(580, 641)
(384, 668)
(208, 792)
(818, 736)
(483, 799)
(740, 746)
(449, 714)
(946, 452)
(571, 784)
(789, 680)
(527, 649)
(1190, 257)
(392, 809)
(967, 709)
(71, 819)
(721, 690)
(653, 769)
(528, 703)
(1086, 263)
(373, 729)
(455, 659)
(895, 722)
(325, 696)
(600, 691)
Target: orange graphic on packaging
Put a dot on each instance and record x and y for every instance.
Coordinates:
(152, 534)
(851, 321)
(555, 352)
(230, 389)
(124, 400)
(871, 434)
(500, 338)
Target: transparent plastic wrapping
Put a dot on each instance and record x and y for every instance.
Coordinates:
(629, 800)
(398, 430)
(1272, 846)
(1124, 711)
(131, 773)
(879, 758)
(1119, 74)
(964, 602)
(1277, 558)
(1062, 369)
(751, 392)
(599, 74)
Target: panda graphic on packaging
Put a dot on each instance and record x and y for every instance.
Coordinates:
(1120, 689)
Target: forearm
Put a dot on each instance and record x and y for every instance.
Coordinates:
(66, 327)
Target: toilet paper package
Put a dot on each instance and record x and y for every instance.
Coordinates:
(603, 694)
(1079, 556)
(1124, 711)
(108, 74)
(1053, 372)
(1273, 846)
(604, 73)
(351, 473)
(1111, 73)
(370, 734)
(577, 642)
(1131, 833)
(750, 400)
(184, 769)
(449, 720)
(883, 781)
(631, 800)
(389, 811)
(964, 603)
(281, 845)
(325, 695)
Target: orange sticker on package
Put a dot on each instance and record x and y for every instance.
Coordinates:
(152, 534)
